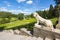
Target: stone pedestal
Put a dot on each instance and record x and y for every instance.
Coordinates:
(40, 32)
(48, 38)
(58, 25)
(57, 39)
(39, 38)
(46, 34)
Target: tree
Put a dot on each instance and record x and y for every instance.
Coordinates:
(40, 13)
(56, 11)
(4, 20)
(6, 14)
(31, 15)
(58, 4)
(44, 14)
(57, 1)
(20, 16)
(51, 9)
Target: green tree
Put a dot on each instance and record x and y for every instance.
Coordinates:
(55, 12)
(58, 9)
(58, 6)
(51, 9)
(4, 20)
(45, 14)
(20, 16)
(6, 14)
(57, 1)
(40, 13)
(31, 15)
(27, 16)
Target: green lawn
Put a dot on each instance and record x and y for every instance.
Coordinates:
(17, 23)
(53, 20)
(22, 22)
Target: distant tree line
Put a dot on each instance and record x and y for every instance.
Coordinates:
(51, 13)
(5, 17)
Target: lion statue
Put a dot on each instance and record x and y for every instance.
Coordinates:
(45, 22)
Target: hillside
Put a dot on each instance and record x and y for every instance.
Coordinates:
(23, 23)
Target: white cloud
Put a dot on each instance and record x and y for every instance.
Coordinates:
(13, 11)
(27, 11)
(53, 5)
(20, 1)
(16, 11)
(7, 3)
(45, 9)
(19, 7)
(29, 2)
(3, 9)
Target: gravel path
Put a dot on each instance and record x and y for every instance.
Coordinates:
(10, 36)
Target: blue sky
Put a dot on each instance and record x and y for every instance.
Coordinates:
(25, 6)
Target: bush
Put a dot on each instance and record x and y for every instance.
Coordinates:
(4, 20)
(20, 16)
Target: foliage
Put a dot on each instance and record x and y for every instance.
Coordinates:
(6, 15)
(45, 14)
(56, 13)
(23, 24)
(51, 10)
(58, 6)
(18, 23)
(13, 19)
(54, 21)
(51, 13)
(4, 20)
(20, 16)
(57, 1)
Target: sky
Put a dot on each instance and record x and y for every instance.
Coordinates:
(25, 6)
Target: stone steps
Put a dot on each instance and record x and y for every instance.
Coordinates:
(9, 36)
(22, 31)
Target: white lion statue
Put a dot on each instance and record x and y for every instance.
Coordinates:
(41, 20)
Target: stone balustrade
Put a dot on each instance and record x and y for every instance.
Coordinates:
(46, 34)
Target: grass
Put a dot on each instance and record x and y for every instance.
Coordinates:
(17, 23)
(22, 22)
(54, 20)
